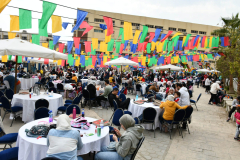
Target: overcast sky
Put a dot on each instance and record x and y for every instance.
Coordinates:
(207, 12)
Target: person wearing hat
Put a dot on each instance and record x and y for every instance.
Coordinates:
(123, 148)
(214, 88)
(63, 142)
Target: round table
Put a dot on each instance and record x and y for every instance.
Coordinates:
(137, 110)
(36, 149)
(144, 86)
(97, 82)
(28, 104)
(27, 83)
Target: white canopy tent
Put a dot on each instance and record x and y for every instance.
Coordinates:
(170, 67)
(215, 71)
(203, 70)
(41, 60)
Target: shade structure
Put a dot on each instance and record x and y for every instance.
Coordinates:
(203, 70)
(121, 62)
(169, 67)
(154, 67)
(214, 71)
(41, 60)
(20, 47)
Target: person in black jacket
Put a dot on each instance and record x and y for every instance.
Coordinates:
(114, 96)
(92, 90)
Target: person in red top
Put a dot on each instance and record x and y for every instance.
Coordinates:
(79, 87)
(237, 116)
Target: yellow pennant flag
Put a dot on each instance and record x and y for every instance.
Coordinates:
(56, 24)
(30, 41)
(14, 23)
(160, 46)
(102, 47)
(210, 42)
(104, 59)
(127, 31)
(59, 63)
(11, 35)
(82, 53)
(77, 62)
(184, 39)
(205, 44)
(45, 45)
(135, 39)
(107, 38)
(54, 61)
(4, 58)
(144, 60)
(198, 43)
(57, 49)
(175, 59)
(153, 46)
(95, 43)
(3, 4)
(176, 34)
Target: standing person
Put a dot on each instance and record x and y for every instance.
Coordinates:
(104, 96)
(184, 98)
(237, 116)
(207, 85)
(63, 142)
(214, 88)
(235, 105)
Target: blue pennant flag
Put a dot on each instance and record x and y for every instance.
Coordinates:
(81, 15)
(103, 26)
(157, 34)
(69, 46)
(55, 39)
(65, 24)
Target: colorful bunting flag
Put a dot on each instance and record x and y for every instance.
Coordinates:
(109, 24)
(55, 39)
(42, 32)
(135, 39)
(168, 34)
(87, 46)
(56, 24)
(14, 23)
(107, 38)
(144, 34)
(65, 24)
(151, 36)
(25, 19)
(128, 31)
(76, 42)
(48, 9)
(51, 46)
(11, 35)
(36, 39)
(69, 46)
(3, 4)
(81, 15)
(186, 40)
(95, 43)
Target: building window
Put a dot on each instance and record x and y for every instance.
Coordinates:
(172, 29)
(181, 30)
(83, 29)
(194, 31)
(113, 23)
(160, 27)
(150, 26)
(201, 32)
(98, 20)
(122, 22)
(5, 36)
(98, 30)
(135, 24)
(24, 38)
(86, 19)
(82, 40)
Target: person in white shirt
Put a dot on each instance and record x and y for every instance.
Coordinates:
(207, 85)
(214, 88)
(184, 98)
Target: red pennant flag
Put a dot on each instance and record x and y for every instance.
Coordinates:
(187, 47)
(203, 41)
(144, 45)
(168, 59)
(135, 59)
(121, 48)
(76, 42)
(196, 58)
(197, 42)
(87, 46)
(140, 46)
(87, 26)
(109, 24)
(190, 43)
(63, 63)
(226, 41)
(94, 58)
(168, 34)
(61, 47)
(87, 30)
(46, 61)
(151, 36)
(101, 64)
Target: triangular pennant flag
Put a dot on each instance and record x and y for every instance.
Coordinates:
(55, 39)
(69, 46)
(65, 24)
(144, 34)
(168, 34)
(14, 23)
(109, 24)
(76, 42)
(127, 31)
(81, 15)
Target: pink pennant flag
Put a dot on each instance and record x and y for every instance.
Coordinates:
(84, 25)
(76, 42)
(39, 58)
(144, 45)
(140, 46)
(135, 59)
(61, 47)
(109, 24)
(101, 64)
(87, 46)
(191, 43)
(151, 36)
(87, 30)
(94, 60)
(187, 47)
(168, 34)
(46, 61)
(121, 48)
(63, 63)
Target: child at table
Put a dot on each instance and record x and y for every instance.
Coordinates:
(237, 116)
(177, 97)
(79, 87)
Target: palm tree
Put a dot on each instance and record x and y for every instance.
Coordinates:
(231, 29)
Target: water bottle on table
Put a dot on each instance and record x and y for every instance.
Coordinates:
(74, 112)
(136, 97)
(50, 116)
(101, 124)
(83, 114)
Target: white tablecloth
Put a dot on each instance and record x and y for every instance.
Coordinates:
(99, 91)
(28, 104)
(183, 80)
(124, 80)
(137, 110)
(90, 81)
(36, 149)
(27, 83)
(53, 76)
(144, 86)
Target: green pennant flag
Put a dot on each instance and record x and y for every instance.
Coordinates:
(165, 45)
(118, 44)
(184, 59)
(120, 33)
(42, 32)
(151, 62)
(48, 9)
(146, 58)
(93, 51)
(149, 48)
(175, 40)
(51, 46)
(187, 38)
(86, 62)
(70, 59)
(217, 42)
(208, 40)
(9, 57)
(19, 60)
(64, 50)
(170, 46)
(123, 41)
(25, 19)
(110, 45)
(144, 34)
(209, 56)
(213, 42)
(89, 61)
(195, 49)
(118, 66)
(36, 39)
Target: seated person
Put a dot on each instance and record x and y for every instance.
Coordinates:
(170, 92)
(110, 79)
(164, 85)
(154, 87)
(69, 74)
(130, 83)
(53, 72)
(120, 103)
(177, 96)
(135, 79)
(139, 78)
(63, 142)
(170, 107)
(79, 87)
(92, 90)
(104, 96)
(123, 148)
(74, 78)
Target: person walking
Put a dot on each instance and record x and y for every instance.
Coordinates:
(214, 88)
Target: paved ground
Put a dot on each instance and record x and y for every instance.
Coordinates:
(211, 136)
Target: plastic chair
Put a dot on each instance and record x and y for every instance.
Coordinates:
(8, 109)
(41, 82)
(69, 109)
(60, 87)
(50, 158)
(123, 97)
(9, 93)
(177, 120)
(41, 103)
(149, 115)
(51, 85)
(41, 112)
(1, 94)
(195, 102)
(187, 118)
(138, 147)
(86, 96)
(137, 121)
(9, 154)
(116, 116)
(52, 89)
(116, 107)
